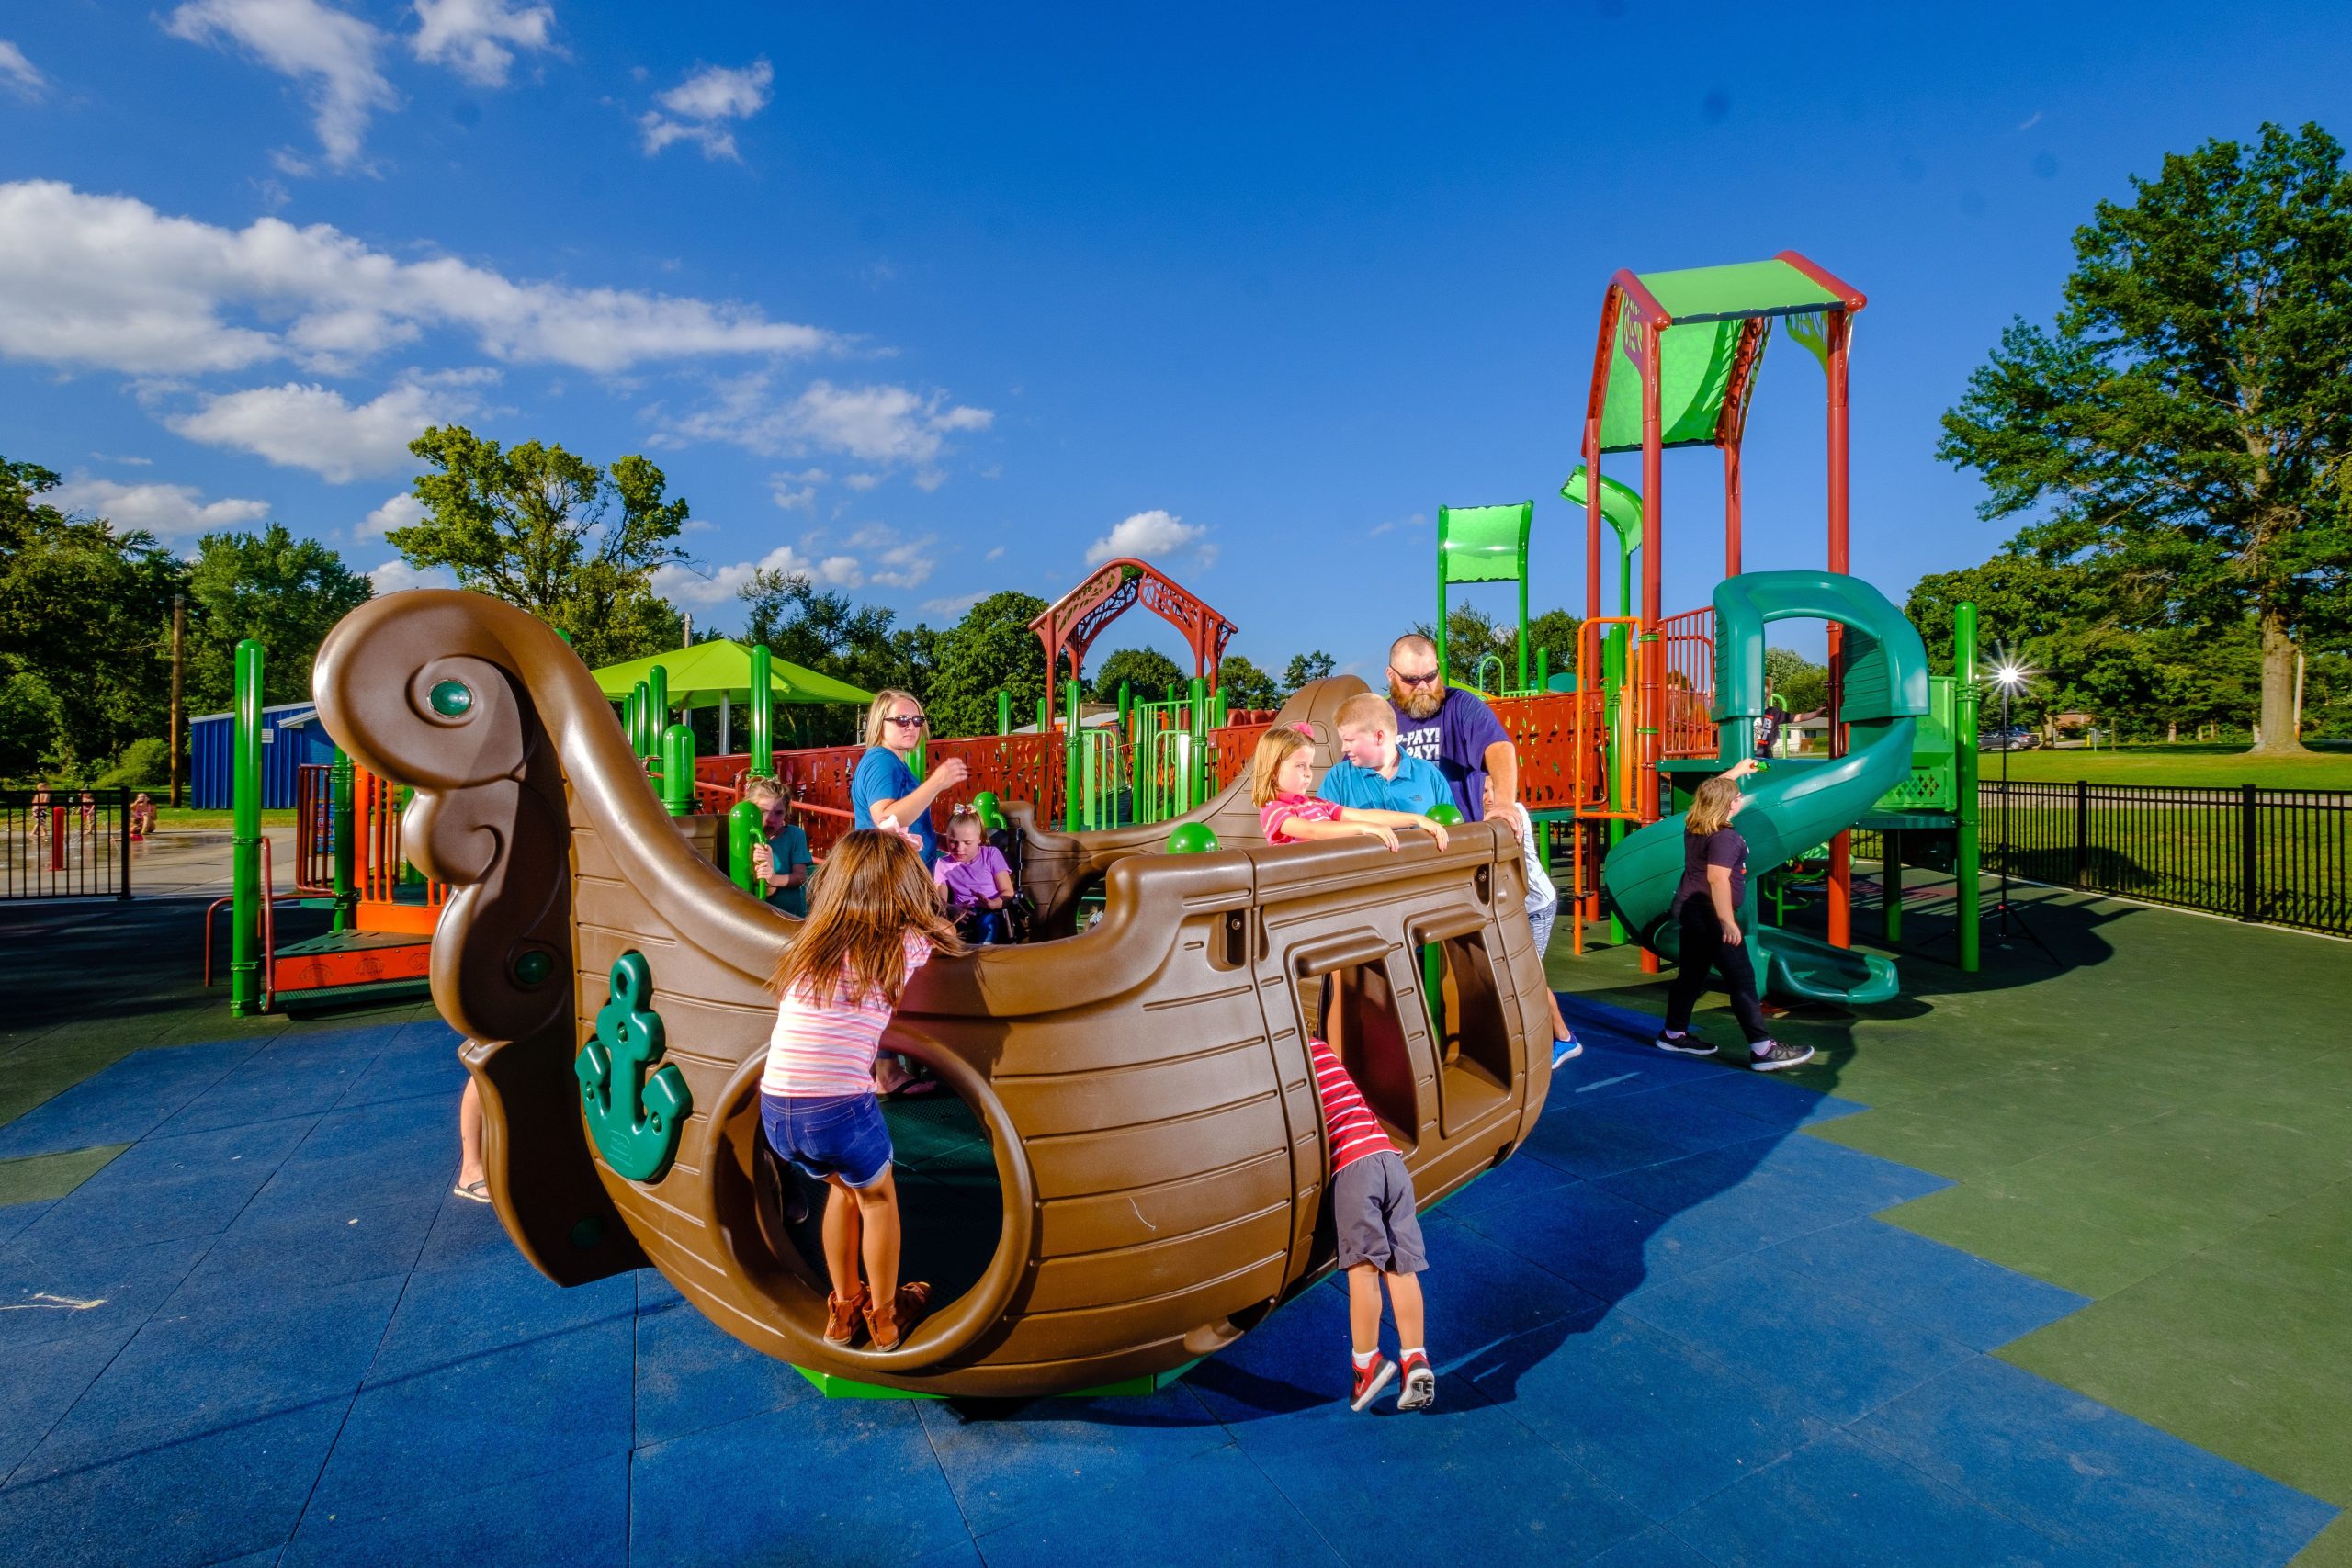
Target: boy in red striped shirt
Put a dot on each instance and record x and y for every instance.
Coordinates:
(1379, 1236)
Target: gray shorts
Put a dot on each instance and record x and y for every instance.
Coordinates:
(1539, 922)
(1372, 1209)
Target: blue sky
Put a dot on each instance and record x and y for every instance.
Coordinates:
(935, 301)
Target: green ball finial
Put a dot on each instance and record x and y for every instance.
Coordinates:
(989, 811)
(450, 699)
(1446, 816)
(532, 967)
(1191, 839)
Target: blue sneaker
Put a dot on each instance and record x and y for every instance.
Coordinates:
(1566, 1051)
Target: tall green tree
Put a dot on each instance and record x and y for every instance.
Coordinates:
(2186, 417)
(285, 593)
(1147, 672)
(84, 666)
(991, 649)
(1244, 684)
(1304, 669)
(822, 629)
(1798, 681)
(533, 524)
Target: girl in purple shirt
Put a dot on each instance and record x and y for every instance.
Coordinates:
(972, 877)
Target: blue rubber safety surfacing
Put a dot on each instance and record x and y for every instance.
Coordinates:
(1669, 1334)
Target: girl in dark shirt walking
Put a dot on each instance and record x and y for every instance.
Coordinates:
(1706, 908)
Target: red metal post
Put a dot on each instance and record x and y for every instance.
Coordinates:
(1841, 848)
(1731, 509)
(1652, 672)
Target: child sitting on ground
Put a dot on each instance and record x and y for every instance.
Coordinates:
(782, 864)
(873, 921)
(1543, 909)
(1281, 773)
(1379, 1233)
(973, 879)
(1375, 774)
(142, 816)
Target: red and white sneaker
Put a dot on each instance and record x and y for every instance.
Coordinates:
(1420, 1385)
(1370, 1380)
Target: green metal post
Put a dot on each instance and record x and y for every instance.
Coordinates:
(745, 829)
(641, 733)
(678, 770)
(1219, 712)
(1196, 714)
(1073, 747)
(657, 686)
(1041, 716)
(344, 841)
(761, 761)
(1522, 612)
(1004, 712)
(1542, 669)
(245, 957)
(1963, 745)
(1126, 704)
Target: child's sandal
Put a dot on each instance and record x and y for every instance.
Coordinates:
(888, 1324)
(841, 1315)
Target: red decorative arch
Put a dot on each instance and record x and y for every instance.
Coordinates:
(1071, 623)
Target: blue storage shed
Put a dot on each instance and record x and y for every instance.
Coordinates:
(292, 735)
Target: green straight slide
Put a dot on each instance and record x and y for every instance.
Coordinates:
(1795, 803)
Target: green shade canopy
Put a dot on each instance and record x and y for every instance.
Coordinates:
(1710, 306)
(1484, 544)
(1622, 504)
(701, 675)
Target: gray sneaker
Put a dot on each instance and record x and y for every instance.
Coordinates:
(1773, 1055)
(1683, 1045)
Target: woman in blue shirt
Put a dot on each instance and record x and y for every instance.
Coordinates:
(885, 785)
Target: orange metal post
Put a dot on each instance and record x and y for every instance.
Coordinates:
(1841, 848)
(1651, 686)
(1731, 509)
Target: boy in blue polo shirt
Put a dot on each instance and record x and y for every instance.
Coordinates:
(1375, 774)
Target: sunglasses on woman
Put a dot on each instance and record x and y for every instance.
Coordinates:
(905, 721)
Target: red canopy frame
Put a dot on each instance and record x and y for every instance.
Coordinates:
(1071, 623)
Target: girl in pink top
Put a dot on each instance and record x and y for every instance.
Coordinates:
(873, 922)
(1281, 771)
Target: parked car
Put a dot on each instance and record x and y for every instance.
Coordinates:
(2017, 737)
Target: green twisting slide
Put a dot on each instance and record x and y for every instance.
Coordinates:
(1797, 802)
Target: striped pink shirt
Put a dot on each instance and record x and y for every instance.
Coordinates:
(1355, 1132)
(829, 1050)
(1282, 807)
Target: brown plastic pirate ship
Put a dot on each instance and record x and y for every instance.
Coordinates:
(1143, 1083)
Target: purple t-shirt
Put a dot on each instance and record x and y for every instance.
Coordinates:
(970, 882)
(1456, 738)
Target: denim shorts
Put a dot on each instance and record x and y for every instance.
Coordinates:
(1540, 920)
(830, 1134)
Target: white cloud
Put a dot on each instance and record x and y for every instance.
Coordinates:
(953, 604)
(1416, 520)
(399, 511)
(332, 54)
(107, 281)
(873, 424)
(298, 426)
(477, 38)
(716, 585)
(892, 560)
(877, 554)
(996, 554)
(20, 75)
(703, 103)
(1153, 533)
(169, 511)
(798, 490)
(863, 481)
(396, 574)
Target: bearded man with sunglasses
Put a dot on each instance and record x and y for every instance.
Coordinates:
(1452, 728)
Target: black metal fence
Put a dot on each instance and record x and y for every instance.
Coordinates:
(64, 842)
(2279, 856)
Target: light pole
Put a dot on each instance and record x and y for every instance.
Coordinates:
(2010, 676)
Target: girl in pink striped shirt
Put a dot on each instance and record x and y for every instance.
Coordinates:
(873, 921)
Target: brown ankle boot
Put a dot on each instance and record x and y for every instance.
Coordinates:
(888, 1324)
(842, 1315)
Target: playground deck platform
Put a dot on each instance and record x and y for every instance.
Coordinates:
(2045, 1265)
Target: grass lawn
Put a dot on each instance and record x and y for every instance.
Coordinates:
(168, 818)
(2222, 765)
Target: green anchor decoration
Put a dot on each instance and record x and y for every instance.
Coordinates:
(635, 1112)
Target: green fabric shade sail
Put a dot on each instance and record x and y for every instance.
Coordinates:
(1619, 503)
(1710, 306)
(700, 675)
